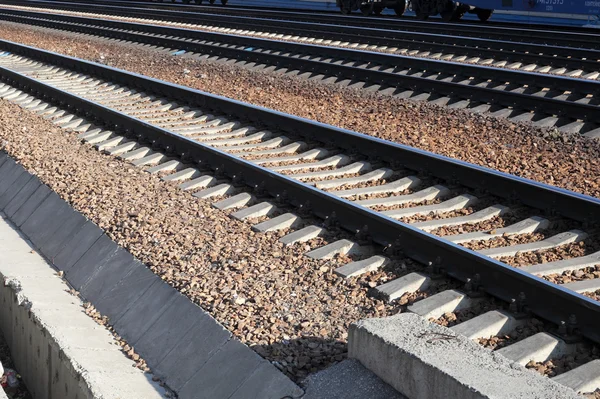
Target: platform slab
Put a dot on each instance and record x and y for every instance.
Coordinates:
(349, 380)
(409, 353)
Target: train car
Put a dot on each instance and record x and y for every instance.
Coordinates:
(580, 7)
(371, 6)
(453, 10)
(449, 10)
(224, 2)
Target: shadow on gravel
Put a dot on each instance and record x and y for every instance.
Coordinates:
(299, 357)
(330, 374)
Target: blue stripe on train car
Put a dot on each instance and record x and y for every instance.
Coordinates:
(581, 7)
(562, 12)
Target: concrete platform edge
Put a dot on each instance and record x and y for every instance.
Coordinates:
(59, 351)
(86, 251)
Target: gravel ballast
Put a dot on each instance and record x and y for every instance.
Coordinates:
(292, 310)
(568, 161)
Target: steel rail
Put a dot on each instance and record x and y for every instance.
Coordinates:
(555, 56)
(545, 299)
(238, 48)
(564, 38)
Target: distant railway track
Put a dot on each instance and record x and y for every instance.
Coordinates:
(556, 44)
(328, 17)
(567, 103)
(554, 36)
(288, 173)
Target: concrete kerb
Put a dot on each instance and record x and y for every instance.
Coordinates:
(56, 347)
(182, 346)
(424, 360)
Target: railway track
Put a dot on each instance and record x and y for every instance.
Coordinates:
(566, 103)
(303, 179)
(417, 39)
(372, 29)
(470, 28)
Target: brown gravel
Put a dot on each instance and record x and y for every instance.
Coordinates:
(584, 353)
(372, 183)
(520, 149)
(398, 267)
(504, 241)
(570, 276)
(437, 216)
(594, 295)
(292, 310)
(531, 327)
(450, 319)
(381, 208)
(497, 222)
(567, 251)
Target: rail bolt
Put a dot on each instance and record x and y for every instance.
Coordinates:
(569, 331)
(331, 220)
(473, 286)
(363, 237)
(260, 189)
(435, 269)
(220, 171)
(238, 180)
(282, 197)
(518, 306)
(572, 326)
(395, 249)
(305, 209)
